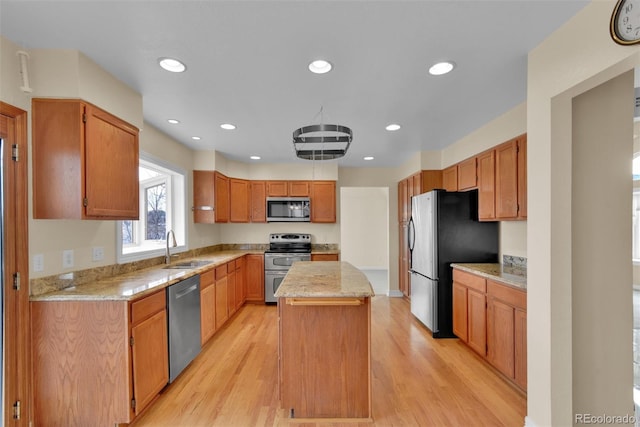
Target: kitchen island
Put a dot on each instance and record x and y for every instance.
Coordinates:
(324, 311)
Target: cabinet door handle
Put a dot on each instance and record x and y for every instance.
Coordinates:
(325, 301)
(202, 208)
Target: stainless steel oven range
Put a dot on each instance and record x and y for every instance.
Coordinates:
(284, 250)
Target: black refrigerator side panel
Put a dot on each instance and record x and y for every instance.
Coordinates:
(461, 238)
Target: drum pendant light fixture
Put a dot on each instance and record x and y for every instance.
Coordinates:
(322, 141)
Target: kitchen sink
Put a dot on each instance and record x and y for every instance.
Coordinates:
(189, 264)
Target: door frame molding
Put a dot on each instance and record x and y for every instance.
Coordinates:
(17, 364)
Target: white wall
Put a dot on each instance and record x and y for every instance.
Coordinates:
(364, 227)
(576, 58)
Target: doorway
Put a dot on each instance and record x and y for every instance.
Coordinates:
(364, 233)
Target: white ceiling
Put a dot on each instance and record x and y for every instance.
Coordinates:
(247, 65)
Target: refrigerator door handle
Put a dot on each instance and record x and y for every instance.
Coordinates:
(411, 234)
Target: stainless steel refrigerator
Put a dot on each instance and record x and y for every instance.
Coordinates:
(444, 229)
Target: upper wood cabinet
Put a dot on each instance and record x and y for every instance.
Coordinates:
(323, 201)
(511, 179)
(221, 196)
(486, 185)
(522, 176)
(239, 200)
(450, 178)
(258, 201)
(85, 162)
(203, 197)
(467, 174)
(288, 189)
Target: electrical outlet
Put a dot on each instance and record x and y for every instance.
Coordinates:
(67, 258)
(38, 262)
(98, 253)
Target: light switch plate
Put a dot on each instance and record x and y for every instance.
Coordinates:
(38, 262)
(98, 253)
(67, 258)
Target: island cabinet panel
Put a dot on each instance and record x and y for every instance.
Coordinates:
(239, 200)
(323, 201)
(82, 374)
(254, 278)
(325, 373)
(71, 179)
(203, 197)
(258, 201)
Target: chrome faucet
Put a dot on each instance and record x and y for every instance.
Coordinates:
(167, 255)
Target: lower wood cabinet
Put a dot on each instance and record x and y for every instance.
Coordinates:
(207, 305)
(254, 278)
(222, 305)
(97, 362)
(231, 288)
(325, 257)
(491, 318)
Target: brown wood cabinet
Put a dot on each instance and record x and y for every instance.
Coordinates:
(404, 278)
(469, 302)
(240, 282)
(277, 188)
(450, 178)
(258, 201)
(111, 355)
(203, 197)
(467, 174)
(221, 196)
(71, 179)
(491, 318)
(511, 179)
(299, 189)
(149, 349)
(232, 305)
(239, 200)
(486, 185)
(324, 257)
(222, 304)
(323, 201)
(254, 277)
(506, 331)
(207, 305)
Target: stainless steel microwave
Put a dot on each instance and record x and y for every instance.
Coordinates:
(288, 209)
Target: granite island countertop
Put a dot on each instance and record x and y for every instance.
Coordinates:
(324, 279)
(512, 276)
(138, 283)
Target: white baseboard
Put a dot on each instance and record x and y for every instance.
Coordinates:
(395, 293)
(528, 422)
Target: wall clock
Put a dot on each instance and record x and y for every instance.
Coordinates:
(625, 22)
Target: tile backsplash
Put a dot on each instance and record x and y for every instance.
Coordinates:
(514, 261)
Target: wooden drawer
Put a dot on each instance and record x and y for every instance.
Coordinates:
(470, 280)
(513, 297)
(207, 278)
(221, 271)
(231, 266)
(148, 306)
(240, 263)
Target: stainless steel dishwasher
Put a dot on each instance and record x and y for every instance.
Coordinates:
(183, 302)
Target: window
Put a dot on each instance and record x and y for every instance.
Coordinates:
(162, 208)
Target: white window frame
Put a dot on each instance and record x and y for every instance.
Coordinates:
(176, 215)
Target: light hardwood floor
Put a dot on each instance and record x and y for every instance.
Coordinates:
(416, 380)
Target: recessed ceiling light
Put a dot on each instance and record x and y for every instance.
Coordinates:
(173, 121)
(255, 157)
(392, 127)
(441, 68)
(369, 158)
(172, 65)
(196, 138)
(227, 126)
(320, 66)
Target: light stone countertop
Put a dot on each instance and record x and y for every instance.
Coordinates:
(324, 279)
(512, 276)
(136, 284)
